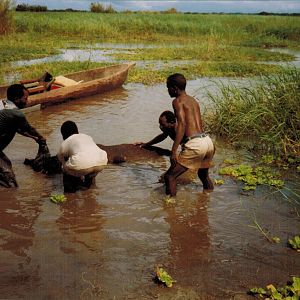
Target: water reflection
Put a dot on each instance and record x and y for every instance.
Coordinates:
(189, 233)
(81, 224)
(17, 219)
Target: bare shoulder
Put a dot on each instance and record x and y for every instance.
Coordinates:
(176, 102)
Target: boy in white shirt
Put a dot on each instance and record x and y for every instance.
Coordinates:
(81, 158)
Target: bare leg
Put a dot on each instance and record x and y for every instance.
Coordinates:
(206, 181)
(170, 178)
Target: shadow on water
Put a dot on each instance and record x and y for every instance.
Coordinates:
(105, 242)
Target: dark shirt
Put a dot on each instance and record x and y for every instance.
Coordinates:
(12, 120)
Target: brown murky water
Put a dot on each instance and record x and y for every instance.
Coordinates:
(104, 243)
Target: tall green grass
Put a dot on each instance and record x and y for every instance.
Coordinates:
(234, 29)
(267, 113)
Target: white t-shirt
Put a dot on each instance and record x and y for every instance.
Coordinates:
(81, 153)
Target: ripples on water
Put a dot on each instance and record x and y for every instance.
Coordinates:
(105, 242)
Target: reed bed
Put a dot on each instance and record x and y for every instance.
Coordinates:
(265, 116)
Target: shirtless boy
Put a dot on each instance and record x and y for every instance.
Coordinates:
(197, 147)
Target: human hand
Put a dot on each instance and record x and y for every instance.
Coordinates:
(140, 144)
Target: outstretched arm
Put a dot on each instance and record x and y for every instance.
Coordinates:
(25, 129)
(159, 138)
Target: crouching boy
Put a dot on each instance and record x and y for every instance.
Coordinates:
(81, 158)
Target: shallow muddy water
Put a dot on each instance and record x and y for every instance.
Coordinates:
(104, 243)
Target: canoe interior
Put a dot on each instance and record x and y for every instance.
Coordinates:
(86, 75)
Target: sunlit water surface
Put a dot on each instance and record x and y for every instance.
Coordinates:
(104, 243)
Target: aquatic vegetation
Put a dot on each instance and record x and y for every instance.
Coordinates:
(58, 198)
(219, 181)
(268, 159)
(150, 75)
(253, 176)
(262, 231)
(230, 161)
(276, 239)
(291, 291)
(295, 243)
(164, 277)
(263, 117)
(94, 289)
(169, 200)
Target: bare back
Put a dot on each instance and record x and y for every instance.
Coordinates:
(188, 110)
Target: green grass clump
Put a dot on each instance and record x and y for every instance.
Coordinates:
(267, 114)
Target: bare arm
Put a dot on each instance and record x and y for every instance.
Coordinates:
(180, 116)
(159, 138)
(32, 133)
(25, 129)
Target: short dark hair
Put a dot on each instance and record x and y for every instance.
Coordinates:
(15, 92)
(177, 80)
(68, 128)
(170, 116)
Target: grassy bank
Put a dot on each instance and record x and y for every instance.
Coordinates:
(264, 116)
(221, 45)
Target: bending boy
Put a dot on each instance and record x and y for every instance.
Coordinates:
(81, 158)
(197, 147)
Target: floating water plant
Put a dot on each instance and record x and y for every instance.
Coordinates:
(164, 277)
(58, 198)
(291, 291)
(252, 176)
(219, 181)
(276, 239)
(295, 243)
(169, 200)
(267, 159)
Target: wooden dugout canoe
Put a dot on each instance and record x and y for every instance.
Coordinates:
(94, 81)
